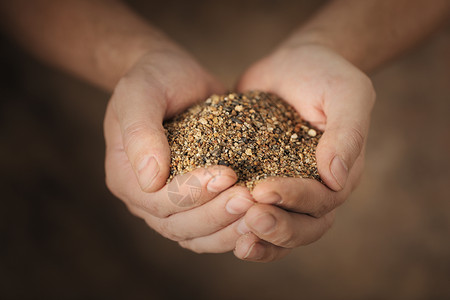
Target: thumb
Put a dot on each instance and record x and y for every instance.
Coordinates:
(140, 108)
(344, 137)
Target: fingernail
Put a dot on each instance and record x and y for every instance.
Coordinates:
(219, 183)
(148, 169)
(339, 171)
(263, 223)
(255, 251)
(238, 205)
(242, 227)
(271, 198)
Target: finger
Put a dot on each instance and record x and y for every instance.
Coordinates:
(186, 191)
(250, 247)
(207, 219)
(347, 125)
(183, 193)
(221, 241)
(282, 228)
(178, 196)
(139, 103)
(307, 196)
(300, 195)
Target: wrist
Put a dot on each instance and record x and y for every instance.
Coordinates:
(350, 51)
(117, 55)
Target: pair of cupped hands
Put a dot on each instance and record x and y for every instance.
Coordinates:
(280, 213)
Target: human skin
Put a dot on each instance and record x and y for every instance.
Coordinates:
(320, 70)
(151, 79)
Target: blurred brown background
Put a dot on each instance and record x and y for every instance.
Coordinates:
(64, 236)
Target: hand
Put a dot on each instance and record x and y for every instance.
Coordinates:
(333, 96)
(160, 85)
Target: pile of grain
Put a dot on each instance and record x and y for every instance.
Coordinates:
(257, 134)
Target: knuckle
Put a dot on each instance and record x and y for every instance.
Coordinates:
(190, 245)
(284, 236)
(186, 244)
(354, 139)
(116, 191)
(165, 228)
(155, 208)
(132, 133)
(135, 211)
(321, 210)
(288, 239)
(326, 206)
(334, 80)
(215, 218)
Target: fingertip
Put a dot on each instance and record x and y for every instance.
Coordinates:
(255, 252)
(332, 171)
(265, 192)
(220, 183)
(242, 227)
(328, 179)
(238, 205)
(221, 178)
(244, 245)
(251, 248)
(148, 152)
(339, 170)
(151, 174)
(340, 146)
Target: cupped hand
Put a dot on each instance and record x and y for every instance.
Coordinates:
(193, 205)
(334, 96)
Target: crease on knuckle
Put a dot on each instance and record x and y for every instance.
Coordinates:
(354, 139)
(284, 236)
(152, 207)
(290, 240)
(132, 133)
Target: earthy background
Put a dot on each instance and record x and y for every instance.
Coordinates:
(64, 236)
